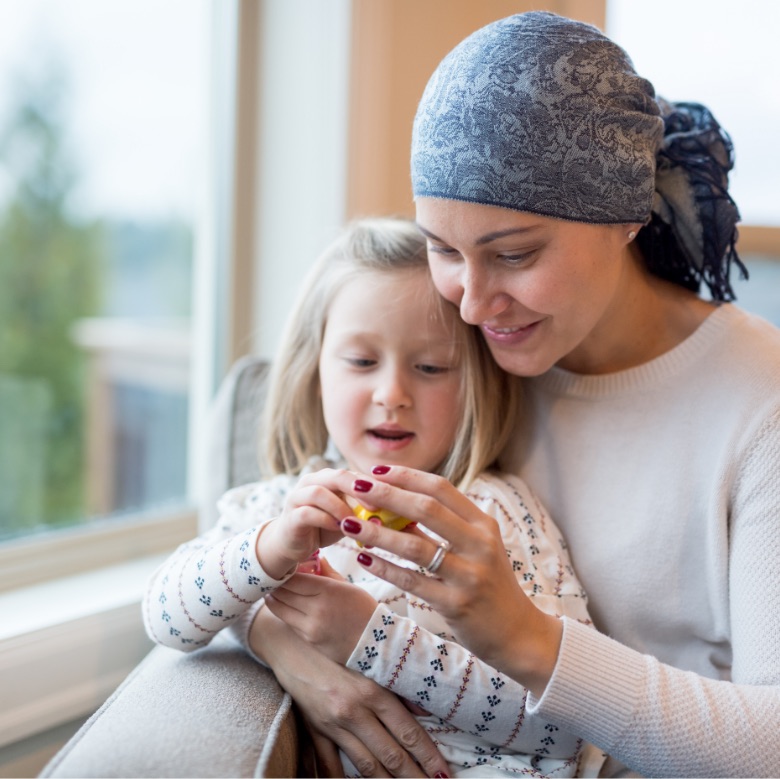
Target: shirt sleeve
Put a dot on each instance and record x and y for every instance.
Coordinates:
(451, 683)
(209, 583)
(663, 721)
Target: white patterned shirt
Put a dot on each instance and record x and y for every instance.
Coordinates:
(478, 716)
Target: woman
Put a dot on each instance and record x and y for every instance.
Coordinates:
(573, 217)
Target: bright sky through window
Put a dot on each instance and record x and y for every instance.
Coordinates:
(119, 59)
(723, 54)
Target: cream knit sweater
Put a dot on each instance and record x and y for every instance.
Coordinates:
(665, 480)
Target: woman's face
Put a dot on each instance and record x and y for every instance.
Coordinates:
(543, 291)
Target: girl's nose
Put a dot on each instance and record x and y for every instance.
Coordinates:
(391, 391)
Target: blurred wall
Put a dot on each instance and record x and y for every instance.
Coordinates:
(396, 45)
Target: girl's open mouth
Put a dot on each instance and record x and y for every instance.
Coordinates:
(391, 439)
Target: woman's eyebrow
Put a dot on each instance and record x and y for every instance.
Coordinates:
(487, 238)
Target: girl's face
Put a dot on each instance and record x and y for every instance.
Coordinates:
(543, 291)
(390, 372)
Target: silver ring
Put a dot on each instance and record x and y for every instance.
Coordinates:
(441, 551)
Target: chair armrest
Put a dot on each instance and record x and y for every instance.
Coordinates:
(214, 712)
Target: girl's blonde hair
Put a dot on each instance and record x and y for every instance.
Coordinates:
(293, 428)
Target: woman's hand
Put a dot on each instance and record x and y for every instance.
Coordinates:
(344, 710)
(474, 588)
(326, 611)
(310, 520)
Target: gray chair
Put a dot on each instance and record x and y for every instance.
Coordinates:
(214, 712)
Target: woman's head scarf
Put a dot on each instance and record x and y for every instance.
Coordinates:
(544, 114)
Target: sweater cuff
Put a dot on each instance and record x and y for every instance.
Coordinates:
(596, 686)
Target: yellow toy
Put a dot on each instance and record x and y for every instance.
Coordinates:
(388, 518)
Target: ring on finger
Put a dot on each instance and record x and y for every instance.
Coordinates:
(436, 562)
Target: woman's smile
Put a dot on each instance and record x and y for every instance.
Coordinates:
(510, 336)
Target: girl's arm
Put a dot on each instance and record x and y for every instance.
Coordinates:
(209, 582)
(345, 710)
(263, 532)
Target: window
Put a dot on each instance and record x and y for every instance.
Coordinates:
(102, 175)
(722, 54)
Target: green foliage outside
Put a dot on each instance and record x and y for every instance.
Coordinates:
(49, 277)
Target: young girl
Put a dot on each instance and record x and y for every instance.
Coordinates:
(375, 367)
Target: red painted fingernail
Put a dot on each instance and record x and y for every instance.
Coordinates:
(380, 469)
(361, 485)
(365, 559)
(441, 775)
(351, 526)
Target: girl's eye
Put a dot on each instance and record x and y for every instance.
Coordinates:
(432, 370)
(361, 362)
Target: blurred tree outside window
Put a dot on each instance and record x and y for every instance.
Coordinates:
(101, 154)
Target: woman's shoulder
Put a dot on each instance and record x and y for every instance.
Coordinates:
(752, 332)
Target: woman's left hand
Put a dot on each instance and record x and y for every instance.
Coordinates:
(324, 610)
(474, 587)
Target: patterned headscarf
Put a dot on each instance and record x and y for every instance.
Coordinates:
(541, 113)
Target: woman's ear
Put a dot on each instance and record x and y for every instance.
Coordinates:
(632, 230)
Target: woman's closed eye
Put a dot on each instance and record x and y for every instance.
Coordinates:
(515, 259)
(446, 251)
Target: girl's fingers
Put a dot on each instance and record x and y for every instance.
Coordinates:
(278, 606)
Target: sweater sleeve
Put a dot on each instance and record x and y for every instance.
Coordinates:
(662, 721)
(208, 583)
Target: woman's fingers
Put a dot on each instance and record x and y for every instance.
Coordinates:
(400, 745)
(365, 720)
(414, 546)
(326, 755)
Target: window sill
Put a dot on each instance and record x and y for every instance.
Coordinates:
(50, 556)
(67, 644)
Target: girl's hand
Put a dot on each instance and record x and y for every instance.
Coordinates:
(474, 588)
(326, 611)
(344, 710)
(310, 520)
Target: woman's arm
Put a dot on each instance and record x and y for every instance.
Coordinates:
(410, 655)
(656, 719)
(475, 587)
(345, 710)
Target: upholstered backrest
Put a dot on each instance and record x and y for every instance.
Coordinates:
(214, 712)
(233, 433)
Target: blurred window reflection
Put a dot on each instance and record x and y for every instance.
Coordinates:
(102, 150)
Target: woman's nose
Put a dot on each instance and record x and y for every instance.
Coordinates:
(479, 302)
